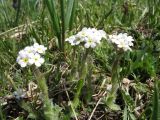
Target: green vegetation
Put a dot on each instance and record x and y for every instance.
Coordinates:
(75, 82)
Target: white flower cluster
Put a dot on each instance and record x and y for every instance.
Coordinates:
(89, 37)
(122, 41)
(31, 55)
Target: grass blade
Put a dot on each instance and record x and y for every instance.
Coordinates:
(54, 17)
(156, 103)
(73, 14)
(70, 13)
(18, 13)
(62, 3)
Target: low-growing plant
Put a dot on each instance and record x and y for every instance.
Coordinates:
(70, 59)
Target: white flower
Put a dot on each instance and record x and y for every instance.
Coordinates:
(31, 55)
(82, 34)
(122, 44)
(72, 40)
(29, 49)
(23, 58)
(90, 43)
(122, 41)
(23, 61)
(89, 37)
(36, 59)
(79, 39)
(39, 48)
(22, 53)
(103, 34)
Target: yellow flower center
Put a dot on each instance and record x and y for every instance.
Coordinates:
(90, 41)
(39, 49)
(36, 59)
(25, 60)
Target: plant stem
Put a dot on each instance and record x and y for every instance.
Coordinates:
(41, 82)
(115, 84)
(83, 64)
(70, 103)
(114, 76)
(82, 76)
(48, 112)
(73, 65)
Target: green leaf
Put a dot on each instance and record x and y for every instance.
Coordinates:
(19, 118)
(110, 103)
(70, 13)
(156, 103)
(2, 117)
(132, 116)
(53, 112)
(125, 114)
(32, 116)
(114, 106)
(140, 87)
(72, 20)
(54, 17)
(78, 92)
